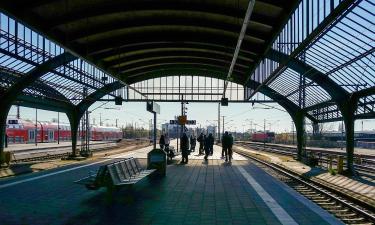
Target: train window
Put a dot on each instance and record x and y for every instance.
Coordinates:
(12, 121)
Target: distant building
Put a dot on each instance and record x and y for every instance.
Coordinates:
(173, 130)
(212, 130)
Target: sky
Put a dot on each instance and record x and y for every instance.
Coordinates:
(238, 116)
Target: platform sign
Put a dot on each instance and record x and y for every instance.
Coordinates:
(182, 120)
(188, 122)
(153, 107)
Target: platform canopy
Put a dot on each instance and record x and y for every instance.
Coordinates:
(310, 56)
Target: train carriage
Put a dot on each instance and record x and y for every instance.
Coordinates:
(25, 131)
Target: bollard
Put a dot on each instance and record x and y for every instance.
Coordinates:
(157, 159)
(340, 164)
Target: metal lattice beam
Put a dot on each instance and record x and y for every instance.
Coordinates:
(29, 78)
(322, 27)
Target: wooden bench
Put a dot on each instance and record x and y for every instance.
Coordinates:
(124, 172)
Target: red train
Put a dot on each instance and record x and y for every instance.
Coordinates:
(263, 137)
(24, 131)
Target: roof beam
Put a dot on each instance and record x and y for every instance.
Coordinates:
(219, 74)
(39, 86)
(28, 79)
(42, 103)
(170, 52)
(98, 94)
(337, 93)
(132, 50)
(310, 39)
(364, 92)
(249, 11)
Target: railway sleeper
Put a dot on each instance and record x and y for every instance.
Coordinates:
(353, 220)
(329, 204)
(320, 200)
(338, 211)
(347, 215)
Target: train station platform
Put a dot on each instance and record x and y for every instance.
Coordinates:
(199, 192)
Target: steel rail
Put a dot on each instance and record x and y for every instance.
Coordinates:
(317, 187)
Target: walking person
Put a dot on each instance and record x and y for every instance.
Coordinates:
(184, 145)
(201, 143)
(193, 142)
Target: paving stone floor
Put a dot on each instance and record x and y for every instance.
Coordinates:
(197, 193)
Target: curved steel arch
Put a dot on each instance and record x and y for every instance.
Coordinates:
(38, 85)
(11, 94)
(338, 94)
(161, 66)
(176, 33)
(175, 52)
(83, 29)
(289, 106)
(231, 10)
(32, 76)
(98, 94)
(76, 113)
(132, 49)
(209, 62)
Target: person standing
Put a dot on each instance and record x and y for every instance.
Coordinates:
(230, 145)
(162, 141)
(201, 143)
(166, 140)
(208, 146)
(184, 145)
(225, 145)
(211, 142)
(193, 142)
(222, 146)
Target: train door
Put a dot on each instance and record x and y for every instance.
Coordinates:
(51, 136)
(31, 136)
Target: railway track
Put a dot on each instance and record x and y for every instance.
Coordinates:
(366, 168)
(338, 205)
(30, 155)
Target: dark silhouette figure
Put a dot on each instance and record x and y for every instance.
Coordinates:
(162, 141)
(230, 151)
(193, 143)
(208, 146)
(201, 143)
(225, 144)
(184, 148)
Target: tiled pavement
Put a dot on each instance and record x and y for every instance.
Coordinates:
(196, 193)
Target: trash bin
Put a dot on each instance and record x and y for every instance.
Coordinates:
(157, 159)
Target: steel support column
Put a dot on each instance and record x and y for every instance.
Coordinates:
(348, 109)
(3, 119)
(299, 121)
(315, 127)
(9, 96)
(78, 111)
(74, 117)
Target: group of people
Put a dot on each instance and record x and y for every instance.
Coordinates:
(206, 144)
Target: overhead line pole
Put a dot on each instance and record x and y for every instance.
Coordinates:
(249, 11)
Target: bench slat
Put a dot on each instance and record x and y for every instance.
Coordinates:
(123, 172)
